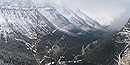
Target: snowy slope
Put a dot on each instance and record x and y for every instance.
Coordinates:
(124, 34)
(123, 37)
(19, 16)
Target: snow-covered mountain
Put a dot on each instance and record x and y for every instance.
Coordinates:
(111, 50)
(123, 37)
(20, 16)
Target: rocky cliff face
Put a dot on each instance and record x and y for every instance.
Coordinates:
(123, 37)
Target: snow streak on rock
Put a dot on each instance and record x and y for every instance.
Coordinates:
(124, 37)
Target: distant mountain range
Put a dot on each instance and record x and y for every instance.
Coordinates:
(18, 17)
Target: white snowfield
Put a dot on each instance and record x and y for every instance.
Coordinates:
(19, 16)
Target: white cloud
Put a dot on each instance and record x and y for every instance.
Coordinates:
(104, 11)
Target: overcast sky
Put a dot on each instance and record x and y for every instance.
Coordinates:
(106, 12)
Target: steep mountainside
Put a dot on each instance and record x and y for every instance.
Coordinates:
(123, 37)
(20, 17)
(113, 51)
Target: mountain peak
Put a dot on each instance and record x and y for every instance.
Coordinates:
(129, 21)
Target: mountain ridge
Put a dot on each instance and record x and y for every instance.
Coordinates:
(23, 19)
